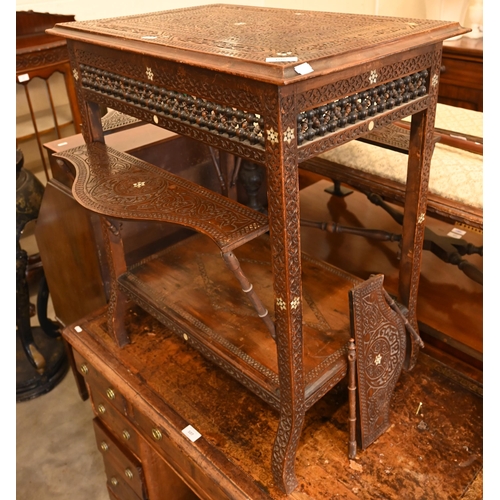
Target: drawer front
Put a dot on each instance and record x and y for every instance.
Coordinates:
(97, 382)
(83, 366)
(462, 73)
(116, 422)
(194, 475)
(112, 494)
(117, 485)
(108, 404)
(126, 466)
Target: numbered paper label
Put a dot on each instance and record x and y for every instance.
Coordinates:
(191, 433)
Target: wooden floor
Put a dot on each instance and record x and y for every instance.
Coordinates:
(450, 305)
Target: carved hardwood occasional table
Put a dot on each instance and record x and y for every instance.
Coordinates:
(275, 87)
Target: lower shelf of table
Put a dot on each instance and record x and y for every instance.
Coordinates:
(189, 288)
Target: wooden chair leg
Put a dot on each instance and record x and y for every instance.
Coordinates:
(380, 337)
(115, 256)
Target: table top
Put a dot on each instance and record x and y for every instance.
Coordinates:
(266, 43)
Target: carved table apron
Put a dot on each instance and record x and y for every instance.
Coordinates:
(276, 87)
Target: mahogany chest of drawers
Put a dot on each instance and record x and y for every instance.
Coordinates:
(462, 74)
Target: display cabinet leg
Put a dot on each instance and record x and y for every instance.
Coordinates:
(252, 177)
(338, 190)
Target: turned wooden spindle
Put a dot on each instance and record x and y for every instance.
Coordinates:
(247, 287)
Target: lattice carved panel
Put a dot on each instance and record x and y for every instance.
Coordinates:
(334, 115)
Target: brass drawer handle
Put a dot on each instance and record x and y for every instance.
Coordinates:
(110, 393)
(104, 446)
(129, 473)
(126, 434)
(114, 481)
(101, 409)
(84, 369)
(157, 435)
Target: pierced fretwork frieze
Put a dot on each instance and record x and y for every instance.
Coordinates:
(218, 119)
(351, 109)
(313, 148)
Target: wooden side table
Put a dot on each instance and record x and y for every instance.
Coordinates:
(275, 87)
(66, 232)
(70, 245)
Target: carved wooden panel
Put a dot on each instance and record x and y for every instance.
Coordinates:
(380, 349)
(27, 61)
(359, 106)
(223, 120)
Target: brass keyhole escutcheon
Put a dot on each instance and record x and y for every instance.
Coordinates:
(84, 369)
(157, 435)
(110, 393)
